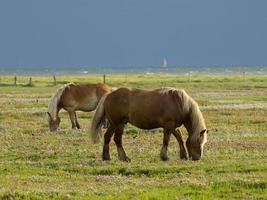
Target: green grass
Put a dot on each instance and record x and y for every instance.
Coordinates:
(37, 164)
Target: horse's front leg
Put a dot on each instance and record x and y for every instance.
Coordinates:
(178, 135)
(72, 119)
(107, 138)
(76, 122)
(164, 148)
(118, 141)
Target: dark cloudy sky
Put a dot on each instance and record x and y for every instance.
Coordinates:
(48, 33)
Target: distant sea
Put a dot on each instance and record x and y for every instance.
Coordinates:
(83, 70)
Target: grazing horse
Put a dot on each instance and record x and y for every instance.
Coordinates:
(72, 97)
(165, 108)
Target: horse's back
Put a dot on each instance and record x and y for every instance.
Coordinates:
(83, 97)
(143, 108)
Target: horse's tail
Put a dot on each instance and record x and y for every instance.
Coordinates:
(98, 120)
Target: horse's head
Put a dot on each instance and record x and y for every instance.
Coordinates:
(53, 123)
(195, 145)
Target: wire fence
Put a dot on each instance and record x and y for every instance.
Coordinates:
(31, 81)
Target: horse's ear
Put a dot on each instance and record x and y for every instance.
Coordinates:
(203, 131)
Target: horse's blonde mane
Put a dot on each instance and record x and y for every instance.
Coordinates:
(166, 90)
(190, 107)
(198, 123)
(197, 120)
(52, 106)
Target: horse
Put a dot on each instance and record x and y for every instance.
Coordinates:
(166, 108)
(73, 97)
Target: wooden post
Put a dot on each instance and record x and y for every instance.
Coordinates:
(15, 80)
(189, 77)
(55, 80)
(30, 81)
(244, 76)
(126, 78)
(104, 78)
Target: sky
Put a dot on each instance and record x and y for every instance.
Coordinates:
(70, 33)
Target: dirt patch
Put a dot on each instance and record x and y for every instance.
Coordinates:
(250, 144)
(236, 106)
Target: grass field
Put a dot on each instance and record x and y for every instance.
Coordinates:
(37, 164)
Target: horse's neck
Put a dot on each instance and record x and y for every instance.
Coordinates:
(188, 125)
(55, 108)
(55, 112)
(192, 121)
(58, 109)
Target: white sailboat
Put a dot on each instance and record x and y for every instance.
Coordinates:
(164, 63)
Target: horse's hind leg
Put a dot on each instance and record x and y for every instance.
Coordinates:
(107, 138)
(166, 139)
(76, 122)
(118, 140)
(72, 119)
(178, 135)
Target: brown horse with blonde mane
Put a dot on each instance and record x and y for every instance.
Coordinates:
(165, 108)
(72, 97)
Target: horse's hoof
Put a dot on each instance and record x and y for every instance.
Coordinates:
(183, 157)
(125, 159)
(164, 158)
(105, 157)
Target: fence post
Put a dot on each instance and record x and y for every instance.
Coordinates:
(55, 80)
(126, 78)
(104, 78)
(189, 77)
(15, 80)
(244, 76)
(30, 81)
